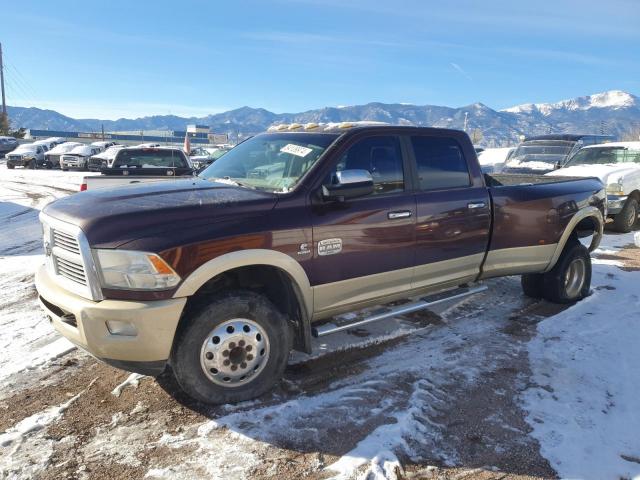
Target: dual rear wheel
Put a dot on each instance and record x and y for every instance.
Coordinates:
(567, 282)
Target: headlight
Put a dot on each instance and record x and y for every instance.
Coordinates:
(134, 270)
(615, 189)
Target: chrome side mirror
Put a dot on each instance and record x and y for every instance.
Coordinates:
(348, 184)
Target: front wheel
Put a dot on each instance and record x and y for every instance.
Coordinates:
(234, 349)
(625, 220)
(570, 279)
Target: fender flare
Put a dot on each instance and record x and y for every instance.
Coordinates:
(587, 212)
(252, 257)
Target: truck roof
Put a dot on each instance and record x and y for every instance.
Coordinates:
(567, 137)
(344, 127)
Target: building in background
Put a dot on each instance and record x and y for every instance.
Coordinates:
(198, 135)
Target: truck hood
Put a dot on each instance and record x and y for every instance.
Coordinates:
(111, 217)
(606, 173)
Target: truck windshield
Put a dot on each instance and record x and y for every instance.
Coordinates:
(604, 156)
(273, 162)
(540, 154)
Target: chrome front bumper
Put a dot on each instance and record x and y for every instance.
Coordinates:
(615, 203)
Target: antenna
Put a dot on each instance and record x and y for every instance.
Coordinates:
(4, 101)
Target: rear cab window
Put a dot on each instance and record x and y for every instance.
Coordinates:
(440, 163)
(150, 158)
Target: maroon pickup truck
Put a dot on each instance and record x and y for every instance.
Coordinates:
(220, 276)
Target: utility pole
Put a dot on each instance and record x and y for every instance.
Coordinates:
(4, 101)
(466, 121)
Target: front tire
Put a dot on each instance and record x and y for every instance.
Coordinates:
(570, 279)
(234, 349)
(624, 221)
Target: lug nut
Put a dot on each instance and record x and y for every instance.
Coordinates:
(232, 345)
(226, 363)
(249, 347)
(225, 353)
(234, 367)
(249, 357)
(209, 356)
(243, 365)
(241, 343)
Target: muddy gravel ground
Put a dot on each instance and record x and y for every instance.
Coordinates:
(474, 424)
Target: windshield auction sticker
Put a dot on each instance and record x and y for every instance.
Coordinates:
(296, 150)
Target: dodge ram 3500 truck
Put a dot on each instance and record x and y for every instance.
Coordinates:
(221, 275)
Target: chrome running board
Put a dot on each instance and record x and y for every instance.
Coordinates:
(422, 304)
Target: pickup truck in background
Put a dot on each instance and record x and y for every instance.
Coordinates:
(617, 165)
(77, 158)
(140, 165)
(544, 153)
(27, 155)
(221, 275)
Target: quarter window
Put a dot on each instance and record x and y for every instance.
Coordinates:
(381, 157)
(440, 163)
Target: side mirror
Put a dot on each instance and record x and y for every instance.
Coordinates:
(349, 184)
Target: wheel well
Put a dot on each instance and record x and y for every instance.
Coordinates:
(586, 227)
(635, 194)
(270, 281)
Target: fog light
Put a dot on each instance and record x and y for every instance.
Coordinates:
(118, 327)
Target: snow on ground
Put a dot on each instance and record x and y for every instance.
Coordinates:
(493, 158)
(585, 409)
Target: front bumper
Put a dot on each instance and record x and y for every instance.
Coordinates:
(84, 323)
(615, 203)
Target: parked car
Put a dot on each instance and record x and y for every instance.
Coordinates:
(104, 159)
(53, 156)
(141, 165)
(202, 157)
(618, 166)
(27, 155)
(544, 153)
(102, 145)
(221, 275)
(78, 158)
(56, 140)
(7, 144)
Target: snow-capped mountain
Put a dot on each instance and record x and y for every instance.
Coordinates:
(613, 99)
(613, 112)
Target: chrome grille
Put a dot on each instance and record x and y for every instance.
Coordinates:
(66, 242)
(69, 259)
(71, 270)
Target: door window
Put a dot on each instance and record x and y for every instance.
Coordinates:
(381, 157)
(440, 163)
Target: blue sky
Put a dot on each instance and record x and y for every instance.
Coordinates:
(127, 58)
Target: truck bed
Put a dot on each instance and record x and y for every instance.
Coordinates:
(511, 180)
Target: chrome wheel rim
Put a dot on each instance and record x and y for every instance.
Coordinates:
(574, 277)
(234, 352)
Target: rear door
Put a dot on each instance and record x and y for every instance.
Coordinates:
(453, 212)
(364, 247)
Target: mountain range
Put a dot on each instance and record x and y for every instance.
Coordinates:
(613, 112)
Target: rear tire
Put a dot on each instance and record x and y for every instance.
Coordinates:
(532, 284)
(624, 221)
(10, 167)
(570, 279)
(234, 349)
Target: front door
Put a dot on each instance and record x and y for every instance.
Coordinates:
(453, 215)
(364, 247)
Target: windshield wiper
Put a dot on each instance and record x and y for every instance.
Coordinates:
(231, 181)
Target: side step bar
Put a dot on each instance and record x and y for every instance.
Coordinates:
(422, 304)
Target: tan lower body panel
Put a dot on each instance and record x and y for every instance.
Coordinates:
(518, 260)
(155, 323)
(338, 297)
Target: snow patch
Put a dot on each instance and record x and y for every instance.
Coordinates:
(132, 380)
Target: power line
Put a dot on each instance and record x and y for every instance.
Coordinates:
(23, 79)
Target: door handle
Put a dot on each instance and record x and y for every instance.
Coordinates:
(400, 214)
(472, 206)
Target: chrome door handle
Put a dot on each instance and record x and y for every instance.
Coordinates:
(472, 206)
(401, 214)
